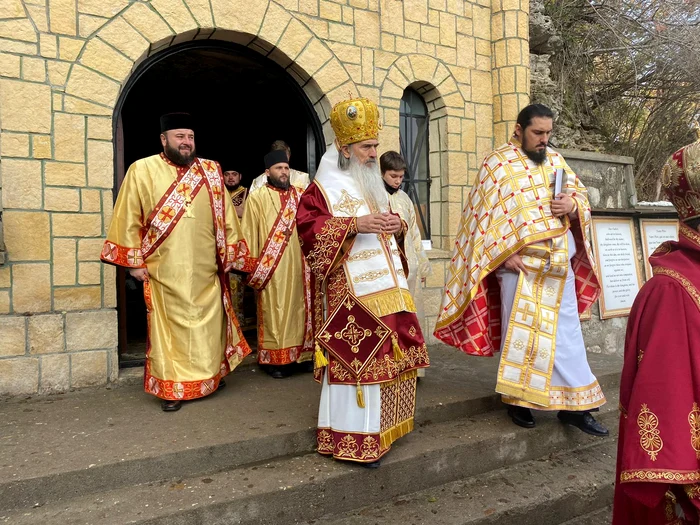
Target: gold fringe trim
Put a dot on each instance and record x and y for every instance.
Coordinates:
(387, 437)
(404, 376)
(389, 302)
(541, 399)
(319, 358)
(574, 408)
(360, 396)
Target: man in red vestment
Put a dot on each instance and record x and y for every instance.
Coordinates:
(369, 344)
(658, 460)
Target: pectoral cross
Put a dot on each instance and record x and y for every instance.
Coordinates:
(188, 203)
(287, 233)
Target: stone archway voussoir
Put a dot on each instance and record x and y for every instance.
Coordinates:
(244, 16)
(148, 23)
(424, 67)
(90, 86)
(176, 15)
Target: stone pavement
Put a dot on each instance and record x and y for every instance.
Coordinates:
(58, 447)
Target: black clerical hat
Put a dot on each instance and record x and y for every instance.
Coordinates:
(275, 157)
(176, 121)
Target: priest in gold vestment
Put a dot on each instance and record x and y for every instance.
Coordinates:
(236, 191)
(176, 231)
(238, 194)
(369, 341)
(278, 271)
(297, 178)
(522, 271)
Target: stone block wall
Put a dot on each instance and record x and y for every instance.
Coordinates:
(608, 178)
(53, 352)
(63, 67)
(610, 183)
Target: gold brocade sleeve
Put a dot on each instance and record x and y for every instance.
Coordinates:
(123, 244)
(415, 253)
(325, 239)
(415, 239)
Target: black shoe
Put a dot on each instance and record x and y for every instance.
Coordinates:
(222, 385)
(521, 416)
(169, 405)
(277, 372)
(305, 367)
(584, 421)
(374, 464)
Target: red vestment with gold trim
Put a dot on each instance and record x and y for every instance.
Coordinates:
(658, 464)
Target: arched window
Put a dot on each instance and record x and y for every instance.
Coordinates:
(414, 148)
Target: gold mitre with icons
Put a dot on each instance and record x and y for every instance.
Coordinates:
(681, 179)
(355, 120)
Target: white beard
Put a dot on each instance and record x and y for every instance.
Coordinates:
(369, 179)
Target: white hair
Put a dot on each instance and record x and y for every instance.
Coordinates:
(369, 179)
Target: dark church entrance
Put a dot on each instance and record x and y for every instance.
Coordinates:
(242, 102)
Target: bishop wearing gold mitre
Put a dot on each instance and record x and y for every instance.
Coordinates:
(176, 231)
(278, 271)
(369, 341)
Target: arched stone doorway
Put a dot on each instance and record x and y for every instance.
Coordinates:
(242, 102)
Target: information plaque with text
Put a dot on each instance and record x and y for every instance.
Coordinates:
(616, 254)
(655, 232)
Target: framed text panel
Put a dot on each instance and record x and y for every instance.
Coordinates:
(654, 232)
(616, 253)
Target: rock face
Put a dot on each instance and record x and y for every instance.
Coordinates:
(545, 43)
(543, 35)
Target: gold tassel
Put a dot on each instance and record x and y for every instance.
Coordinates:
(360, 396)
(319, 359)
(398, 353)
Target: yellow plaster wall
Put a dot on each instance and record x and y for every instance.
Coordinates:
(63, 64)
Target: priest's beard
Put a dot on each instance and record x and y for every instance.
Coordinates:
(181, 159)
(538, 157)
(232, 187)
(278, 183)
(371, 184)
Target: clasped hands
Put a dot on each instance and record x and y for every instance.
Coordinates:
(379, 223)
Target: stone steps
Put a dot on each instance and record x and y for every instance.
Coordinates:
(598, 517)
(540, 492)
(294, 489)
(202, 458)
